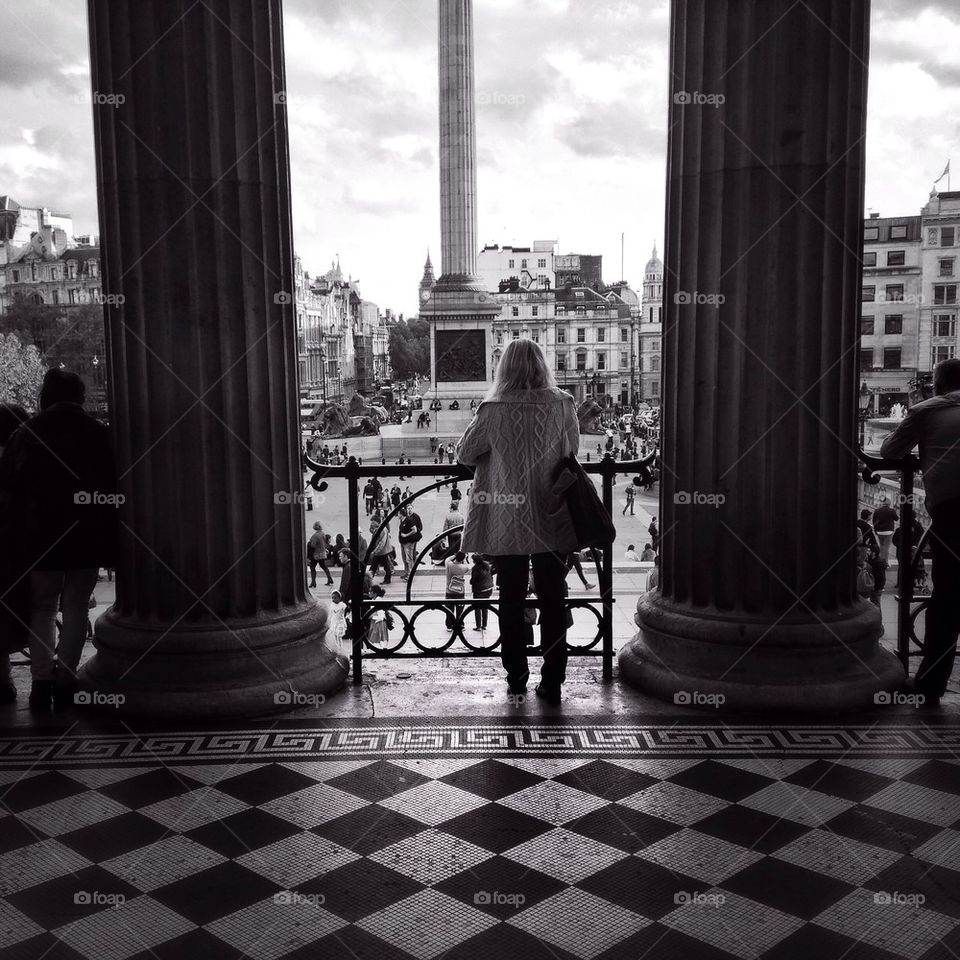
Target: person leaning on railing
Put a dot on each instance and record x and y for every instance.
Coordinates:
(516, 440)
(934, 426)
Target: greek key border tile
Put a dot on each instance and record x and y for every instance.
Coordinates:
(477, 739)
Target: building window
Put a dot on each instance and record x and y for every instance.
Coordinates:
(944, 325)
(896, 258)
(946, 267)
(561, 361)
(655, 364)
(601, 361)
(579, 294)
(56, 296)
(516, 334)
(891, 358)
(654, 389)
(536, 311)
(581, 361)
(944, 352)
(893, 323)
(893, 293)
(16, 275)
(500, 338)
(870, 259)
(523, 264)
(74, 296)
(515, 311)
(511, 264)
(944, 293)
(561, 336)
(541, 264)
(898, 232)
(623, 361)
(623, 334)
(581, 335)
(866, 359)
(871, 233)
(601, 335)
(536, 338)
(581, 311)
(946, 236)
(866, 326)
(869, 294)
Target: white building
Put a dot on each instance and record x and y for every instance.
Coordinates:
(939, 251)
(650, 331)
(532, 267)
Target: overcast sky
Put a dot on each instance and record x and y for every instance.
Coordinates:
(571, 124)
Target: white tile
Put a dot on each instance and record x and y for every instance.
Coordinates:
(323, 770)
(799, 804)
(554, 802)
(193, 809)
(433, 802)
(579, 923)
(15, 926)
(547, 766)
(314, 805)
(920, 803)
(659, 767)
(675, 803)
(437, 767)
(942, 849)
(72, 813)
(902, 929)
(297, 859)
(276, 926)
(427, 924)
(166, 861)
(117, 933)
(564, 855)
(839, 857)
(699, 855)
(740, 926)
(431, 856)
(37, 863)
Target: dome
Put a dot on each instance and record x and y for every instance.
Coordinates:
(654, 264)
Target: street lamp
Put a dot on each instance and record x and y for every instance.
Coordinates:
(863, 402)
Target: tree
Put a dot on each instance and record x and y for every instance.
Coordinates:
(21, 372)
(409, 348)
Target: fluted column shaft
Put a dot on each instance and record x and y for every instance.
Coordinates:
(193, 177)
(762, 292)
(458, 142)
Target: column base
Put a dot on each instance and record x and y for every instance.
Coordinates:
(231, 669)
(814, 666)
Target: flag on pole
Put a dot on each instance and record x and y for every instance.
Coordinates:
(946, 173)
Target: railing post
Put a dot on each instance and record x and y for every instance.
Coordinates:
(905, 570)
(356, 571)
(608, 471)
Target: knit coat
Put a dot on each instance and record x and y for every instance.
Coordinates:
(516, 443)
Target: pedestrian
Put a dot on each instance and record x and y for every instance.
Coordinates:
(867, 535)
(884, 523)
(317, 555)
(455, 495)
(653, 581)
(574, 562)
(379, 622)
(628, 504)
(457, 571)
(369, 496)
(441, 451)
(380, 548)
(631, 554)
(878, 569)
(451, 522)
(14, 586)
(516, 441)
(451, 453)
(649, 554)
(410, 533)
(395, 496)
(481, 585)
(934, 425)
(338, 623)
(58, 479)
(654, 532)
(349, 562)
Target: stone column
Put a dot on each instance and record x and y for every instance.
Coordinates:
(212, 613)
(757, 601)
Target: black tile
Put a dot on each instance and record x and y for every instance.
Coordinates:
(641, 886)
(881, 828)
(215, 893)
(152, 787)
(839, 780)
(721, 780)
(110, 838)
(197, 943)
(939, 885)
(242, 832)
(495, 828)
(622, 827)
(752, 829)
(818, 942)
(15, 833)
(44, 946)
(492, 779)
(54, 903)
(377, 781)
(369, 829)
(790, 889)
(351, 943)
(264, 784)
(657, 942)
(938, 775)
(500, 887)
(947, 949)
(606, 780)
(360, 888)
(506, 941)
(35, 791)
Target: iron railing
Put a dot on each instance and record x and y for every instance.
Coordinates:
(909, 605)
(408, 609)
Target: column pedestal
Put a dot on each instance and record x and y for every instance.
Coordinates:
(757, 601)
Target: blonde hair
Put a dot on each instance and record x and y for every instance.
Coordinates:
(522, 367)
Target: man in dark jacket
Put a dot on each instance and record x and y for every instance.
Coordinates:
(934, 425)
(58, 480)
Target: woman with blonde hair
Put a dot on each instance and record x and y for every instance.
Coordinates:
(518, 436)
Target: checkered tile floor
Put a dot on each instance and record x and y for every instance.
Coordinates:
(388, 855)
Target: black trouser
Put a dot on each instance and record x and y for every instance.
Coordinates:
(573, 561)
(943, 611)
(480, 613)
(322, 564)
(549, 578)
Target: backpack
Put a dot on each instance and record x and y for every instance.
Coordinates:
(865, 583)
(456, 586)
